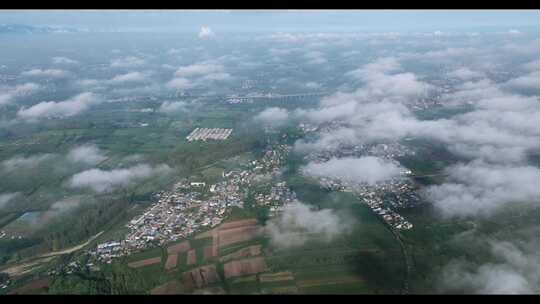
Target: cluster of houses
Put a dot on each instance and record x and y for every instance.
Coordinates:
(307, 128)
(280, 195)
(9, 235)
(383, 197)
(209, 133)
(176, 215)
(72, 267)
(182, 211)
(248, 84)
(376, 202)
(5, 284)
(274, 158)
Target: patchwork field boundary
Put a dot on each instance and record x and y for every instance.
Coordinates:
(145, 262)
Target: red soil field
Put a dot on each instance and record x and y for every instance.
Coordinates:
(172, 259)
(173, 287)
(32, 287)
(237, 235)
(244, 252)
(209, 252)
(179, 248)
(244, 267)
(236, 224)
(200, 277)
(191, 257)
(145, 262)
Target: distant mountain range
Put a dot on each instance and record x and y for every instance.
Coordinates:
(28, 29)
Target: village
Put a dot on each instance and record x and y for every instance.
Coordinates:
(183, 211)
(381, 197)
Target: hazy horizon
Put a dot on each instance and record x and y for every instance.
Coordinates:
(275, 20)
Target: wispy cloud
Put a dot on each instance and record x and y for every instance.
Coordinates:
(70, 107)
(107, 180)
(54, 73)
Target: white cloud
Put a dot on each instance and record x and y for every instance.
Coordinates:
(315, 57)
(217, 77)
(87, 154)
(20, 162)
(465, 73)
(530, 82)
(6, 198)
(70, 107)
(105, 181)
(198, 70)
(205, 32)
(59, 208)
(531, 47)
(297, 221)
(328, 141)
(64, 205)
(172, 106)
(129, 77)
(180, 84)
(313, 85)
(273, 116)
(381, 81)
(198, 74)
(88, 82)
(450, 53)
(379, 66)
(12, 93)
(127, 62)
(64, 60)
(366, 169)
(174, 51)
(500, 128)
(515, 271)
(532, 66)
(481, 189)
(46, 73)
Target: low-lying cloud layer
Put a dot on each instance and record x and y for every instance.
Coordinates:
(299, 222)
(9, 94)
(516, 272)
(273, 116)
(366, 169)
(180, 83)
(198, 70)
(206, 32)
(64, 60)
(500, 128)
(55, 73)
(70, 107)
(172, 106)
(6, 198)
(24, 163)
(104, 181)
(127, 62)
(86, 154)
(478, 188)
(131, 77)
(198, 74)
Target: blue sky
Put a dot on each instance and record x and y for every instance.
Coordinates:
(292, 20)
